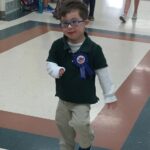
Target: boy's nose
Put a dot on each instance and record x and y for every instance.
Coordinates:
(69, 26)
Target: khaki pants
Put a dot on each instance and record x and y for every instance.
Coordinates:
(73, 119)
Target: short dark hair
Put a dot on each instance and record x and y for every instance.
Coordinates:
(70, 5)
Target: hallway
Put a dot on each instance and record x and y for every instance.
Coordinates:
(27, 101)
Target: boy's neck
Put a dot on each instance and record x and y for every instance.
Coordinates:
(77, 41)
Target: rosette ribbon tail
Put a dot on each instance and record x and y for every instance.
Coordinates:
(81, 61)
(89, 70)
(82, 72)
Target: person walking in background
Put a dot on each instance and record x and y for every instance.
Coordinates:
(47, 6)
(74, 60)
(126, 9)
(91, 5)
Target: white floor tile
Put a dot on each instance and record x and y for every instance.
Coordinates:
(3, 149)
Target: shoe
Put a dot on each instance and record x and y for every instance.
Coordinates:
(134, 17)
(91, 18)
(123, 18)
(89, 148)
(49, 8)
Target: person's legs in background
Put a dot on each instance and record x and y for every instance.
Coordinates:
(126, 9)
(45, 3)
(91, 5)
(86, 2)
(125, 12)
(57, 9)
(92, 9)
(136, 4)
(127, 6)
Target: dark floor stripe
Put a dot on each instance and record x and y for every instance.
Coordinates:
(11, 31)
(97, 32)
(15, 140)
(21, 33)
(22, 37)
(139, 138)
(119, 35)
(22, 27)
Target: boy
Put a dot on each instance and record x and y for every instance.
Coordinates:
(74, 60)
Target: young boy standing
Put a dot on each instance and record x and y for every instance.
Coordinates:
(74, 60)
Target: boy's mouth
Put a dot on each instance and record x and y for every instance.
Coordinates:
(71, 32)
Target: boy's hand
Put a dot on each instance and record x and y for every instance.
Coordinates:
(61, 72)
(112, 105)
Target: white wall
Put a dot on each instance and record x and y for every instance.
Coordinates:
(2, 5)
(9, 6)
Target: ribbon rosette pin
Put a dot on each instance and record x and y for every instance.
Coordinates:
(81, 60)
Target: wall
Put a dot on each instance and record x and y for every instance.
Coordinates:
(8, 6)
(2, 8)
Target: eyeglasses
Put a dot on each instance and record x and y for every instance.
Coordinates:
(73, 23)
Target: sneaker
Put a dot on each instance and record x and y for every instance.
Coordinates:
(123, 18)
(134, 17)
(89, 148)
(91, 18)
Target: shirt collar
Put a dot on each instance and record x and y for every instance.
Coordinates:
(85, 47)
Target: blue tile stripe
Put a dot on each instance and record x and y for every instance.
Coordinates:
(16, 140)
(139, 137)
(8, 32)
(5, 33)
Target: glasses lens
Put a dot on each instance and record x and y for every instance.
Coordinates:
(73, 23)
(64, 24)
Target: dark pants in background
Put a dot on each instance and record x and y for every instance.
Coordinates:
(91, 4)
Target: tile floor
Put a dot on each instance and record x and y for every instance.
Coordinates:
(27, 92)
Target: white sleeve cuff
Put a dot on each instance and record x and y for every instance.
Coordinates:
(53, 69)
(106, 85)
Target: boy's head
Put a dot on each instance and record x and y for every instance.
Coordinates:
(71, 5)
(73, 17)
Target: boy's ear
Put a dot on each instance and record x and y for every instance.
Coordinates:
(87, 22)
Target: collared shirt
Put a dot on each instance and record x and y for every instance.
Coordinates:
(70, 87)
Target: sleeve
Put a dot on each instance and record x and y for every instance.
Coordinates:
(52, 57)
(53, 69)
(106, 85)
(99, 58)
(52, 65)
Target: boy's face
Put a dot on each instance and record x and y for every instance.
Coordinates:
(73, 26)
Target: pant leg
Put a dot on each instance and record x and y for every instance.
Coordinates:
(86, 2)
(92, 8)
(81, 124)
(63, 116)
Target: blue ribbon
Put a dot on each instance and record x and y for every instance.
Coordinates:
(80, 59)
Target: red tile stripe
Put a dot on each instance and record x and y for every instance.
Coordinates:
(113, 126)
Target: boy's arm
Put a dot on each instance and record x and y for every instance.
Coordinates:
(106, 85)
(54, 70)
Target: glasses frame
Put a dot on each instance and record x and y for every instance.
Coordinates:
(72, 23)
